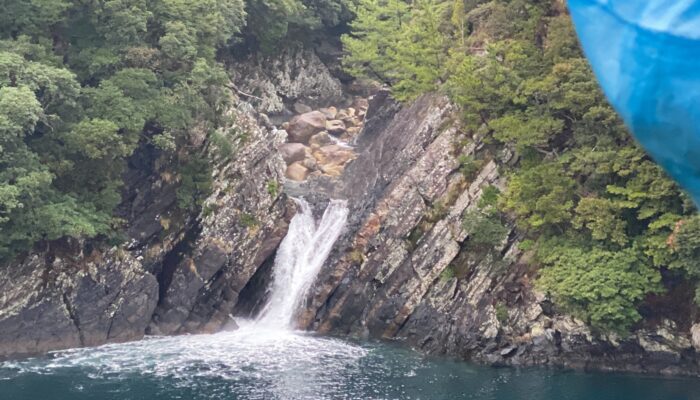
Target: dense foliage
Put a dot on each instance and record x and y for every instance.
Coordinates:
(83, 83)
(602, 218)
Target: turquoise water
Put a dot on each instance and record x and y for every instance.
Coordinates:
(252, 364)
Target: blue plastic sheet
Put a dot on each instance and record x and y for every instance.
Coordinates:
(646, 56)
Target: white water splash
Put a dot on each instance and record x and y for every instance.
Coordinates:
(263, 359)
(299, 259)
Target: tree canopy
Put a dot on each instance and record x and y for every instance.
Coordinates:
(515, 69)
(83, 83)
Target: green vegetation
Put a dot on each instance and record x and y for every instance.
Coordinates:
(82, 84)
(600, 286)
(247, 220)
(469, 167)
(501, 313)
(85, 83)
(447, 273)
(398, 42)
(273, 188)
(601, 218)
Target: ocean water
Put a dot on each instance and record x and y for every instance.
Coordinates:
(254, 363)
(266, 359)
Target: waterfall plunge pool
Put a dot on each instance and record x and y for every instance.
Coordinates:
(265, 359)
(257, 364)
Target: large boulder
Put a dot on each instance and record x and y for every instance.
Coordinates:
(303, 126)
(320, 139)
(297, 172)
(292, 152)
(335, 127)
(333, 154)
(331, 159)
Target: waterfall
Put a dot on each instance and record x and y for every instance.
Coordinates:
(299, 259)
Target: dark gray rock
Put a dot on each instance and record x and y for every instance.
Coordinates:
(61, 303)
(389, 276)
(291, 75)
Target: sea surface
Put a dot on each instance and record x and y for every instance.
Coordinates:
(254, 363)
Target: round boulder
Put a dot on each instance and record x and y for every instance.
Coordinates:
(320, 139)
(292, 152)
(303, 126)
(297, 172)
(335, 127)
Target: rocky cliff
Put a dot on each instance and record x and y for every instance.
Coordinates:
(178, 272)
(404, 269)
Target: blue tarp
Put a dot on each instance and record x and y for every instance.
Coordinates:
(646, 56)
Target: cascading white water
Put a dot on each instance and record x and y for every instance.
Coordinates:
(299, 259)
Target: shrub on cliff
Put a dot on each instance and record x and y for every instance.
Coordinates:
(516, 71)
(599, 286)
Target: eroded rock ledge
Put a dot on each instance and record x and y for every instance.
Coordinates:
(404, 269)
(178, 272)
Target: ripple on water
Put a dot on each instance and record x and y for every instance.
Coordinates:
(258, 364)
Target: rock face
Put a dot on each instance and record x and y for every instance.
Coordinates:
(405, 269)
(200, 286)
(303, 127)
(178, 272)
(295, 74)
(62, 302)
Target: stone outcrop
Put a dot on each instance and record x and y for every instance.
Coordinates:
(242, 229)
(178, 272)
(406, 270)
(287, 82)
(77, 300)
(318, 144)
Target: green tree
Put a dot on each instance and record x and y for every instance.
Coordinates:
(542, 197)
(602, 287)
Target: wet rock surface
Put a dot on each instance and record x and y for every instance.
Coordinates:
(318, 144)
(178, 272)
(403, 269)
(57, 303)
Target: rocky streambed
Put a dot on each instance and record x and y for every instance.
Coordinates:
(403, 269)
(319, 141)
